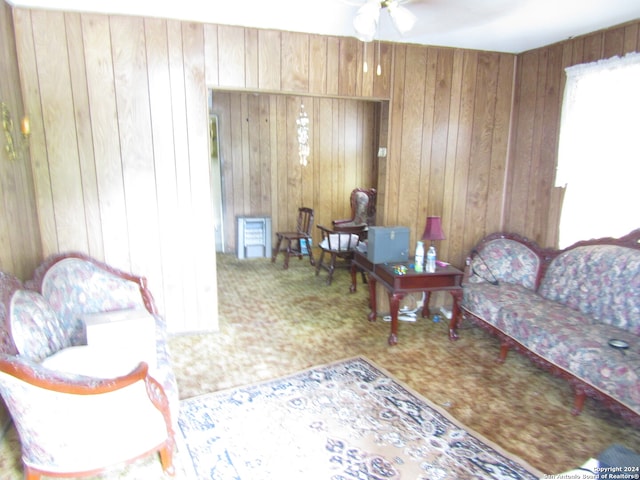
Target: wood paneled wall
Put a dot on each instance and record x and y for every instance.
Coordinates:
(449, 132)
(19, 236)
(121, 163)
(262, 175)
(120, 150)
(532, 202)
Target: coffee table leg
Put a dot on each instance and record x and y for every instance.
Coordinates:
(372, 299)
(425, 306)
(394, 304)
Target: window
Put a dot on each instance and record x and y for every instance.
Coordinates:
(599, 150)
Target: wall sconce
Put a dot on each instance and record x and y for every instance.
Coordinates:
(7, 126)
(303, 136)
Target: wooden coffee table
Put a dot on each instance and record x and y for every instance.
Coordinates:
(399, 281)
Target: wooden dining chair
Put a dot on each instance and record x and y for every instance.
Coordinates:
(339, 247)
(296, 242)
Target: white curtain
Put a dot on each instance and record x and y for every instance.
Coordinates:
(599, 150)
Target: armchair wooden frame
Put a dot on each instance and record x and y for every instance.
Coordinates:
(78, 385)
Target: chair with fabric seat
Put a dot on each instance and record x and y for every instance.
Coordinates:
(297, 242)
(336, 246)
(363, 213)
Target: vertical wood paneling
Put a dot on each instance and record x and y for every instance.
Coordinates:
(455, 176)
(295, 55)
(231, 56)
(269, 60)
(318, 68)
(38, 148)
(50, 46)
(136, 147)
(203, 256)
(333, 66)
(20, 248)
(211, 55)
(464, 145)
(157, 45)
(631, 37)
(413, 174)
(500, 145)
(106, 144)
(80, 93)
(382, 82)
(349, 67)
(440, 72)
(183, 175)
(394, 152)
(251, 58)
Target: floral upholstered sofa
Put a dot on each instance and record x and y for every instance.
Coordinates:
(81, 406)
(575, 311)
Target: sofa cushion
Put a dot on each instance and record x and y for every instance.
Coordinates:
(586, 353)
(599, 280)
(35, 328)
(525, 316)
(487, 301)
(507, 261)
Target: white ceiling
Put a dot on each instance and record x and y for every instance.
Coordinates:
(512, 26)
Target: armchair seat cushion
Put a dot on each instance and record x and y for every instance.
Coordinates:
(91, 361)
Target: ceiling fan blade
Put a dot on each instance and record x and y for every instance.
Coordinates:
(403, 19)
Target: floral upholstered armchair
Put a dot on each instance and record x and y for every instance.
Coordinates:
(79, 408)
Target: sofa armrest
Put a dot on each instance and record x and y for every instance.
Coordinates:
(467, 270)
(506, 258)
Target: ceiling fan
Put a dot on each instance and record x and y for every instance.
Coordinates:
(367, 17)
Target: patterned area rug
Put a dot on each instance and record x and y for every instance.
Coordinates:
(346, 420)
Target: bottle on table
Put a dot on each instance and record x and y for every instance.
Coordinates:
(431, 260)
(419, 258)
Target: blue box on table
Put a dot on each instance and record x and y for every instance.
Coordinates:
(388, 244)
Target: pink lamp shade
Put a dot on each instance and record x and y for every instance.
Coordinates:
(433, 229)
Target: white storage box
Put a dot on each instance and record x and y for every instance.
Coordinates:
(131, 333)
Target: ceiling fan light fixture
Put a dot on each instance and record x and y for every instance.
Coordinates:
(402, 18)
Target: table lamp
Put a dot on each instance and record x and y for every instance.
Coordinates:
(432, 231)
